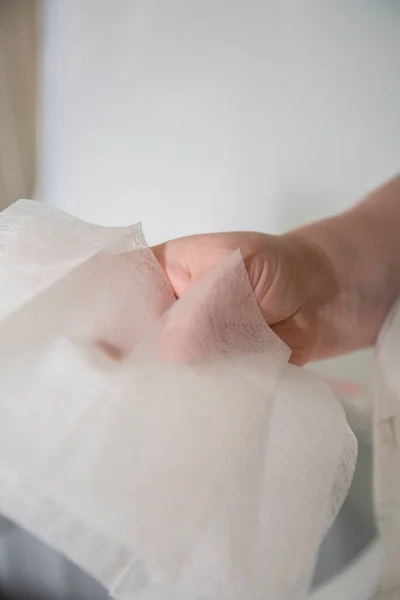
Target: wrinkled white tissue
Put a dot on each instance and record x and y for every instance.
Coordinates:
(167, 447)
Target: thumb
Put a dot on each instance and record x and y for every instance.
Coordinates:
(269, 262)
(186, 260)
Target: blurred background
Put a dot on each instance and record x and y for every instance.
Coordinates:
(19, 54)
(198, 116)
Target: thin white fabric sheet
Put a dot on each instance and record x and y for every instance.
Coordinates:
(166, 446)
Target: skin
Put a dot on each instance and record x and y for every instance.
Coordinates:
(325, 288)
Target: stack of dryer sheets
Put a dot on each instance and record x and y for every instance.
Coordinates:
(166, 446)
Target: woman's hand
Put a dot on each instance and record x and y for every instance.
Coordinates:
(294, 281)
(325, 289)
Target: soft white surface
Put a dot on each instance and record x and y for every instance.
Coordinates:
(348, 569)
(202, 465)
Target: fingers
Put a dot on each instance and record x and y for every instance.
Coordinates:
(174, 266)
(269, 261)
(186, 260)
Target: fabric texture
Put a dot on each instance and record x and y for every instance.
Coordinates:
(165, 446)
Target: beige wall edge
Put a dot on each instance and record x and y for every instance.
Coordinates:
(18, 98)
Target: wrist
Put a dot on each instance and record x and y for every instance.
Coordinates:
(364, 281)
